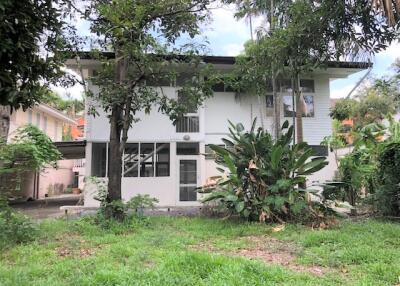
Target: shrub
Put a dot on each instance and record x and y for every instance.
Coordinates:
(15, 227)
(343, 109)
(114, 212)
(264, 176)
(387, 196)
(140, 202)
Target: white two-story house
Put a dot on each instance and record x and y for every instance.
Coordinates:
(169, 161)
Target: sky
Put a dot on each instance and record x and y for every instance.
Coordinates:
(226, 35)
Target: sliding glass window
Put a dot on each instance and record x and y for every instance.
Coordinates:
(162, 160)
(131, 160)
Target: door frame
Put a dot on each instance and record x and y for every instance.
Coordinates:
(198, 177)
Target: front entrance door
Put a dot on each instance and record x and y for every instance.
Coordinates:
(188, 179)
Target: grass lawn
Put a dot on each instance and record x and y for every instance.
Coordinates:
(198, 251)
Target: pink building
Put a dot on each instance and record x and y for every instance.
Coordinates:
(51, 181)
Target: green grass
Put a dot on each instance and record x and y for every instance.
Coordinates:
(163, 252)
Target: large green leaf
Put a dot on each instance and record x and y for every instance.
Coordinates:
(215, 195)
(231, 198)
(239, 206)
(285, 125)
(303, 158)
(276, 157)
(230, 164)
(219, 150)
(313, 166)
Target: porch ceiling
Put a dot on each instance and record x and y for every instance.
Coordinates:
(72, 149)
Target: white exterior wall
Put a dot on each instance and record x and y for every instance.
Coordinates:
(223, 107)
(214, 116)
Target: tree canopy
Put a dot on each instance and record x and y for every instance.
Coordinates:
(32, 34)
(148, 39)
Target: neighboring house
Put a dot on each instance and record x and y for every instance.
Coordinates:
(169, 162)
(51, 121)
(78, 130)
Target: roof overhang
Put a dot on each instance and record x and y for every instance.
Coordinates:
(55, 113)
(72, 149)
(335, 69)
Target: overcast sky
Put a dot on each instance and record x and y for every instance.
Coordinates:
(226, 36)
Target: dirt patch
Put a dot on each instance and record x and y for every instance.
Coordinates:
(269, 250)
(71, 252)
(72, 245)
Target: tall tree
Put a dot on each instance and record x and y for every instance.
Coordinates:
(143, 36)
(390, 9)
(268, 10)
(31, 38)
(332, 30)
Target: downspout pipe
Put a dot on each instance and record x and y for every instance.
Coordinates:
(359, 82)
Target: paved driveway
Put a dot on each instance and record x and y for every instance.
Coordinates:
(46, 208)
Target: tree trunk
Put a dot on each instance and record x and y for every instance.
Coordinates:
(299, 116)
(275, 94)
(277, 105)
(114, 157)
(5, 113)
(299, 110)
(115, 152)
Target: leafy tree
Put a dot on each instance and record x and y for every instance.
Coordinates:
(30, 151)
(263, 175)
(257, 71)
(144, 38)
(301, 44)
(68, 105)
(32, 38)
(343, 109)
(371, 105)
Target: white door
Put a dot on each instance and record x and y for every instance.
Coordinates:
(188, 178)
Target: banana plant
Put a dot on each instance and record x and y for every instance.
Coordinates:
(263, 175)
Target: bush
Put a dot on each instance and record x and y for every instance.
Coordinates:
(15, 227)
(387, 196)
(140, 202)
(343, 109)
(266, 177)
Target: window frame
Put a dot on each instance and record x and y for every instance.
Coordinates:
(138, 167)
(106, 161)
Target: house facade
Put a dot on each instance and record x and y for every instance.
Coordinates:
(52, 122)
(169, 161)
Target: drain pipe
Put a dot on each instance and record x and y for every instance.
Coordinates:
(359, 82)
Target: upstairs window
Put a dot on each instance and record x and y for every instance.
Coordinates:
(45, 124)
(285, 85)
(38, 120)
(30, 115)
(188, 123)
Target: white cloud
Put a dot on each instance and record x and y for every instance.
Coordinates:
(392, 52)
(75, 91)
(224, 23)
(232, 49)
(342, 91)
